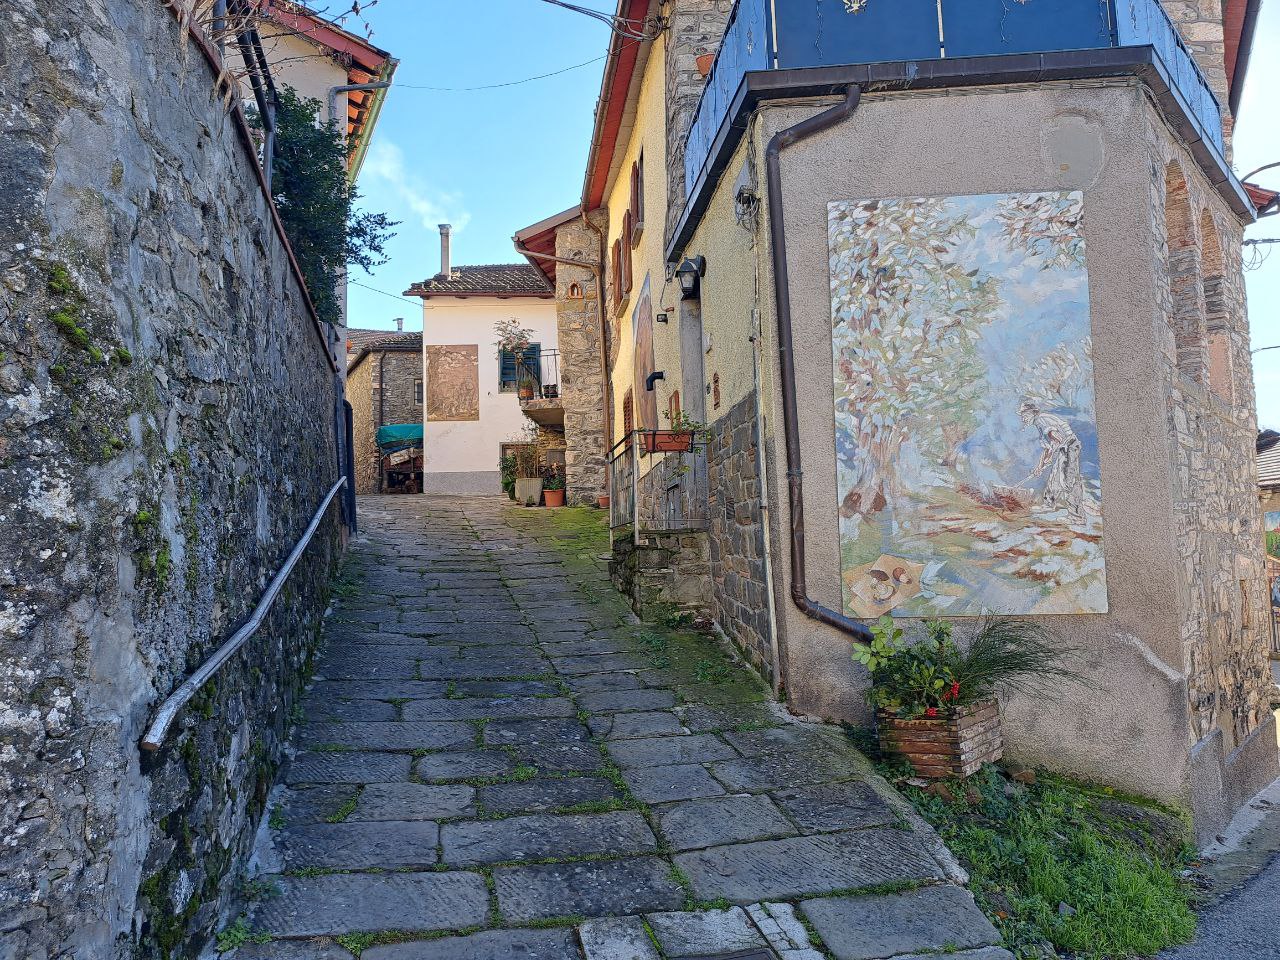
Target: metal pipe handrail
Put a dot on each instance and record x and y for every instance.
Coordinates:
(168, 711)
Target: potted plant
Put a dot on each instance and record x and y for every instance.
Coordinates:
(507, 470)
(525, 387)
(678, 438)
(528, 485)
(511, 337)
(936, 704)
(553, 486)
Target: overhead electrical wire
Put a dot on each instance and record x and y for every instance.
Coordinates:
(509, 83)
(619, 25)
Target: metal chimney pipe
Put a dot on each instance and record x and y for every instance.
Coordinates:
(445, 266)
(399, 324)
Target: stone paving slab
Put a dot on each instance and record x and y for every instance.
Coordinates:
(486, 945)
(353, 846)
(629, 726)
(359, 903)
(716, 821)
(545, 793)
(601, 682)
(329, 690)
(615, 701)
(303, 805)
(506, 688)
(802, 866)
(617, 938)
(413, 801)
(552, 730)
(326, 710)
(664, 784)
(463, 765)
(704, 933)
(875, 927)
(494, 708)
(706, 718)
(399, 735)
(604, 663)
(664, 751)
(582, 757)
(777, 772)
(835, 806)
(542, 836)
(778, 740)
(354, 767)
(289, 950)
(592, 888)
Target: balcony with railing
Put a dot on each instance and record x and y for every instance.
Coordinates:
(923, 43)
(538, 386)
(666, 494)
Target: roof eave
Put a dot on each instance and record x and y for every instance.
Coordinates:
(365, 134)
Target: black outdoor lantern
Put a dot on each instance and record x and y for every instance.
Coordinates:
(690, 274)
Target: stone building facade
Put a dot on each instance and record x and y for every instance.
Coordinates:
(1176, 650)
(384, 386)
(167, 428)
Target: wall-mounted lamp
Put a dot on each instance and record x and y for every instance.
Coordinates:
(654, 378)
(662, 318)
(690, 274)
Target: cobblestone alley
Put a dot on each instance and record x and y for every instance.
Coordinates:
(496, 760)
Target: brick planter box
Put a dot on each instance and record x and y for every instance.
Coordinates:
(946, 746)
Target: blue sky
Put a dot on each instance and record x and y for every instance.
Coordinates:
(493, 161)
(488, 161)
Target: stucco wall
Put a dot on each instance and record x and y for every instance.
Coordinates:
(468, 449)
(1133, 726)
(166, 431)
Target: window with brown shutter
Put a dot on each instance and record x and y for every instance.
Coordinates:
(626, 252)
(637, 201)
(615, 268)
(628, 414)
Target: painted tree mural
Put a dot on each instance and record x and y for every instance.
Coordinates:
(966, 449)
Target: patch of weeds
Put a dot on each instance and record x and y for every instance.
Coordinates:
(259, 889)
(358, 943)
(345, 809)
(478, 725)
(311, 872)
(122, 356)
(332, 748)
(551, 923)
(238, 934)
(711, 671)
(276, 819)
(143, 522)
(1057, 863)
(451, 691)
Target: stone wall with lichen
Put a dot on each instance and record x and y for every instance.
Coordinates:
(1212, 428)
(395, 374)
(166, 431)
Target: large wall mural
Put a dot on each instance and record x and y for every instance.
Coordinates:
(453, 382)
(966, 444)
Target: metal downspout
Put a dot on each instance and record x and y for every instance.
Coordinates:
(786, 355)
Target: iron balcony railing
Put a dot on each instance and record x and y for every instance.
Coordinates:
(542, 372)
(657, 491)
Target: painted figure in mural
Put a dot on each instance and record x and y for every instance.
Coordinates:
(1064, 487)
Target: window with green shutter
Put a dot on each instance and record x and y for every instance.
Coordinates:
(509, 372)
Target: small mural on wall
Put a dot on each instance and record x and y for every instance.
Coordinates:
(642, 324)
(453, 382)
(966, 441)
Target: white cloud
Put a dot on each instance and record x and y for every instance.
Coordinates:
(385, 163)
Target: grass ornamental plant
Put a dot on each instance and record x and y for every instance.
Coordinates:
(926, 679)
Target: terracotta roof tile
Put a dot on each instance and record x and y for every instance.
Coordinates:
(481, 280)
(385, 340)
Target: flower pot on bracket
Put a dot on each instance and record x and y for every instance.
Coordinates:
(528, 491)
(956, 743)
(553, 498)
(667, 441)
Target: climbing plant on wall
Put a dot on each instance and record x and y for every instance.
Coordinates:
(318, 205)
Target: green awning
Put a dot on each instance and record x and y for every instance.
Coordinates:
(397, 436)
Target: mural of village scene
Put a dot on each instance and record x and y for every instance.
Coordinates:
(966, 444)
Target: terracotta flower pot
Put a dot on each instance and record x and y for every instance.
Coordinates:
(704, 63)
(553, 498)
(603, 502)
(667, 441)
(956, 743)
(525, 393)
